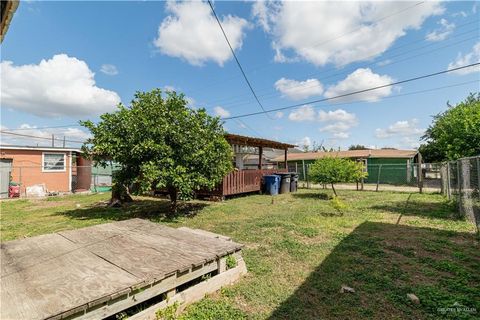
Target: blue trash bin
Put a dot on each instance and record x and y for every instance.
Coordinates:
(272, 184)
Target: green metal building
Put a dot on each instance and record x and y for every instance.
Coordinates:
(102, 177)
(398, 167)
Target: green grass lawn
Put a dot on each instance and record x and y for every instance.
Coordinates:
(300, 250)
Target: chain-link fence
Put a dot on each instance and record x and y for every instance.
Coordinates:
(394, 177)
(28, 181)
(460, 181)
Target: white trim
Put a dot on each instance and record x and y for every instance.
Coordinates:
(6, 147)
(70, 172)
(64, 160)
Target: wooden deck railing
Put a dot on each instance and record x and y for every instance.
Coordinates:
(244, 181)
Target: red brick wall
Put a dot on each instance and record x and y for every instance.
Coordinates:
(27, 169)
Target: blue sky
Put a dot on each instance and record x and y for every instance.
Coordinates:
(69, 61)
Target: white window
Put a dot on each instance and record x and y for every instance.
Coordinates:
(53, 162)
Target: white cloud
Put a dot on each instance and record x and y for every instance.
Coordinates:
(337, 122)
(221, 112)
(403, 128)
(168, 88)
(409, 143)
(109, 69)
(340, 122)
(59, 133)
(336, 127)
(298, 90)
(261, 12)
(318, 32)
(191, 32)
(337, 115)
(60, 86)
(304, 113)
(384, 62)
(304, 143)
(441, 33)
(469, 58)
(358, 80)
(278, 115)
(191, 103)
(462, 14)
(341, 135)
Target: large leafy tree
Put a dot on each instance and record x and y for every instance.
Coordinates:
(454, 133)
(331, 170)
(160, 143)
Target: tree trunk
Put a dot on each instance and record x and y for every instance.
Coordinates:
(120, 195)
(173, 192)
(334, 192)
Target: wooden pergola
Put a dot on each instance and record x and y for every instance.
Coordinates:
(237, 140)
(249, 180)
(8, 8)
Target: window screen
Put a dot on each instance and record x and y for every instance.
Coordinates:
(53, 161)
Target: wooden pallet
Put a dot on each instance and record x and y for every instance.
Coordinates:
(95, 272)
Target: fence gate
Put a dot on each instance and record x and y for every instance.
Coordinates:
(5, 169)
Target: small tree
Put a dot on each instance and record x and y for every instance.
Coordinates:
(160, 143)
(331, 170)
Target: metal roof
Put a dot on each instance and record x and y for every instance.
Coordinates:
(256, 142)
(375, 153)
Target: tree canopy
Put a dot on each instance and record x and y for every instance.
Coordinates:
(161, 143)
(454, 133)
(358, 147)
(331, 170)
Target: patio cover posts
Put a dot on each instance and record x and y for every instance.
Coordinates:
(259, 143)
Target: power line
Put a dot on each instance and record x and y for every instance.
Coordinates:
(273, 95)
(336, 104)
(396, 95)
(357, 92)
(300, 88)
(262, 66)
(242, 123)
(270, 94)
(236, 59)
(361, 27)
(38, 137)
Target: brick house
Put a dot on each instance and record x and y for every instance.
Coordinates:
(57, 169)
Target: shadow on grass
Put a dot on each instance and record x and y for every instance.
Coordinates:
(151, 209)
(383, 263)
(310, 195)
(440, 210)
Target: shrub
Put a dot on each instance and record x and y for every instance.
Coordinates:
(331, 170)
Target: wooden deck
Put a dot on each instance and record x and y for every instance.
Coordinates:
(244, 181)
(238, 182)
(95, 272)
